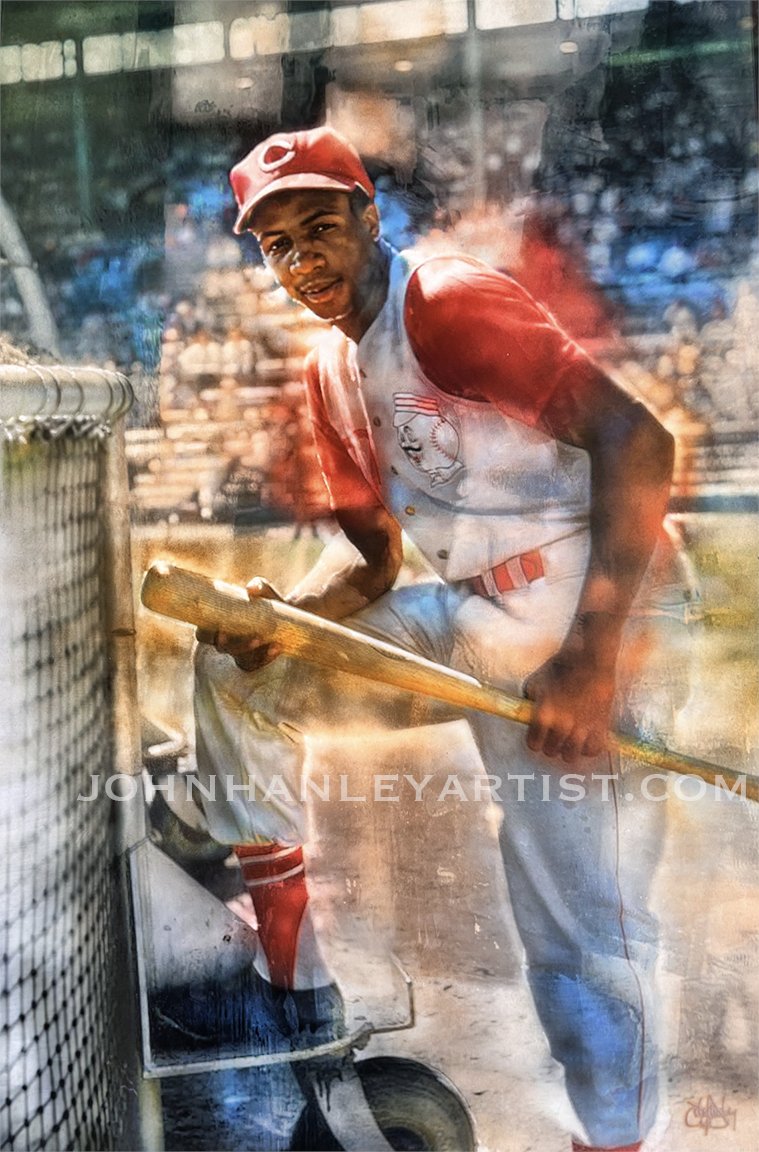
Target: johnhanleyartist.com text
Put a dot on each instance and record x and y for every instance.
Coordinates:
(569, 787)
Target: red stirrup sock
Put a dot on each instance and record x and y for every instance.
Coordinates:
(274, 876)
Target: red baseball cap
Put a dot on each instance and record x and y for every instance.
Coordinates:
(315, 158)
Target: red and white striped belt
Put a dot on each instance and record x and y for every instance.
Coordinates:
(517, 572)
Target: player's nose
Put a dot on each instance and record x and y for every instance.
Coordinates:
(305, 259)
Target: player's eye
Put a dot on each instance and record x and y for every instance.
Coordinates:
(277, 247)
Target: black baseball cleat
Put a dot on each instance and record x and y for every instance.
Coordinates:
(243, 1016)
(308, 1016)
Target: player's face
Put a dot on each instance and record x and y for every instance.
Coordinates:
(323, 253)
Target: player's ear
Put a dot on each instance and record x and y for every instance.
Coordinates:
(371, 219)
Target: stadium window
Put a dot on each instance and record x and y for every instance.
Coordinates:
(69, 57)
(10, 64)
(258, 36)
(142, 50)
(199, 43)
(514, 13)
(588, 8)
(42, 61)
(397, 20)
(101, 54)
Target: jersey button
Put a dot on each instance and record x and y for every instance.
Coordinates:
(410, 510)
(442, 554)
(377, 422)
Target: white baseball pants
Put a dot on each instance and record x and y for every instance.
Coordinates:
(579, 856)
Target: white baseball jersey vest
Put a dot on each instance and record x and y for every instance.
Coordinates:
(469, 485)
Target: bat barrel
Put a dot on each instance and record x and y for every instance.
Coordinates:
(206, 603)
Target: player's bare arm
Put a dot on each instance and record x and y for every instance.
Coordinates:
(631, 458)
(364, 577)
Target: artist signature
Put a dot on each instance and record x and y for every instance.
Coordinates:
(706, 1113)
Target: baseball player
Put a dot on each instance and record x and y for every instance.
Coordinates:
(447, 403)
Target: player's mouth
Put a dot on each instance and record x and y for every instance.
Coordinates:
(320, 291)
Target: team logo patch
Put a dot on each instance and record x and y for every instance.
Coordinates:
(428, 438)
(279, 151)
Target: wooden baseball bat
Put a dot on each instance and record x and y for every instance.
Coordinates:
(215, 606)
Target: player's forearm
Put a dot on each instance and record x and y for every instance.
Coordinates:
(348, 576)
(346, 591)
(630, 483)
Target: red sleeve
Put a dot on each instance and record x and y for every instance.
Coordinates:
(345, 482)
(478, 334)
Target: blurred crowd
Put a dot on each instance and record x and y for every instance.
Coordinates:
(231, 442)
(649, 255)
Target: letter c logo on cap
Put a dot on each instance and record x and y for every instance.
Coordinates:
(279, 151)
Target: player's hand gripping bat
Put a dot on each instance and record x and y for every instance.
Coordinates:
(214, 606)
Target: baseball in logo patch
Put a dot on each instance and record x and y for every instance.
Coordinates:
(428, 438)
